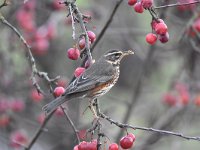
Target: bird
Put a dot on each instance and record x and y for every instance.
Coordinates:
(94, 82)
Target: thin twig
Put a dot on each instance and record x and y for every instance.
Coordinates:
(177, 4)
(39, 131)
(5, 3)
(71, 124)
(107, 24)
(73, 23)
(163, 132)
(31, 59)
(84, 29)
(98, 124)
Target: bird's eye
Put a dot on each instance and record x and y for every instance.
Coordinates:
(117, 55)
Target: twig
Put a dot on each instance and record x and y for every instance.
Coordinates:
(31, 59)
(77, 14)
(73, 23)
(165, 132)
(71, 124)
(98, 124)
(177, 4)
(39, 131)
(5, 3)
(107, 24)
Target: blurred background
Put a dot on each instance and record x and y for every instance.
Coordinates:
(159, 86)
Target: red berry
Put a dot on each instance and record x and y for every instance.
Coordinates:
(73, 53)
(113, 146)
(155, 22)
(17, 105)
(40, 118)
(170, 99)
(4, 120)
(76, 147)
(161, 28)
(62, 82)
(132, 2)
(25, 20)
(185, 97)
(91, 36)
(151, 38)
(147, 3)
(83, 146)
(82, 44)
(132, 136)
(51, 31)
(196, 25)
(164, 38)
(58, 91)
(56, 5)
(126, 142)
(92, 145)
(4, 105)
(197, 100)
(17, 139)
(59, 112)
(138, 7)
(40, 47)
(79, 71)
(30, 5)
(35, 96)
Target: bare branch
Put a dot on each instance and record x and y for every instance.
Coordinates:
(31, 59)
(163, 132)
(39, 131)
(177, 4)
(71, 124)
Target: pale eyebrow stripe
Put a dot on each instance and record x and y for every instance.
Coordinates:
(113, 53)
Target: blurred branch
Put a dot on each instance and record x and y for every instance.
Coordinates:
(98, 125)
(31, 59)
(71, 124)
(5, 3)
(35, 72)
(73, 9)
(107, 24)
(163, 132)
(39, 131)
(138, 87)
(177, 4)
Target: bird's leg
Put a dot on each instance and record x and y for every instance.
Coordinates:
(92, 109)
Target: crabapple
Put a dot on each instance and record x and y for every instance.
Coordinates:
(78, 71)
(58, 91)
(73, 53)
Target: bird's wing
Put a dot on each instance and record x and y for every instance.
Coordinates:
(89, 79)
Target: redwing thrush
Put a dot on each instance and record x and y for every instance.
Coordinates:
(98, 79)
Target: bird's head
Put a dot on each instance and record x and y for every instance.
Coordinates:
(115, 56)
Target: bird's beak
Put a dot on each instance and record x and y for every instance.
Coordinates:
(129, 52)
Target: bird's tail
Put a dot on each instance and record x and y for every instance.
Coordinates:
(50, 107)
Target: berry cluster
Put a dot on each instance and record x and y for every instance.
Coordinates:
(126, 142)
(180, 96)
(7, 106)
(38, 37)
(18, 138)
(74, 53)
(160, 30)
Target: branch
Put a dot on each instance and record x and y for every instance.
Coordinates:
(177, 4)
(31, 59)
(39, 131)
(107, 24)
(163, 132)
(5, 3)
(71, 124)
